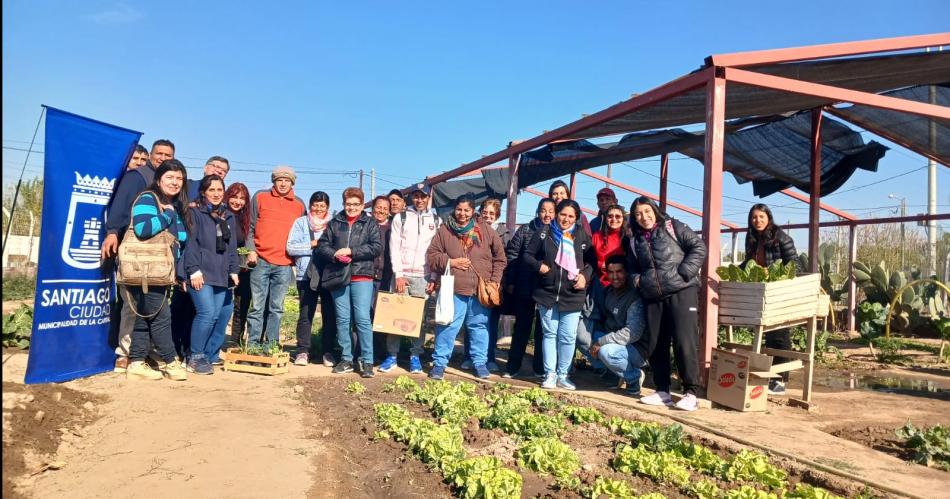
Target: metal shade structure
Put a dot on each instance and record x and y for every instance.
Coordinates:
(752, 85)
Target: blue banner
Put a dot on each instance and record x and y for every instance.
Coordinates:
(84, 160)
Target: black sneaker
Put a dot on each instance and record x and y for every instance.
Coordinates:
(344, 366)
(776, 387)
(367, 372)
(358, 365)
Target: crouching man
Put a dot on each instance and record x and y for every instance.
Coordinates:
(621, 320)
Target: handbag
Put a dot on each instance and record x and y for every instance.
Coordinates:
(331, 279)
(146, 262)
(445, 303)
(489, 293)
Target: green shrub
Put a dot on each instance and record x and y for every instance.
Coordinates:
(19, 287)
(17, 328)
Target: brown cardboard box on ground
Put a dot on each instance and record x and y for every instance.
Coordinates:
(740, 379)
(398, 314)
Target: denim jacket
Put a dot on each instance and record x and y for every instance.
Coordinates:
(298, 245)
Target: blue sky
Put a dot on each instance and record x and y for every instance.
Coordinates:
(408, 88)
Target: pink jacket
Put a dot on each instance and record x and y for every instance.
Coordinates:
(409, 238)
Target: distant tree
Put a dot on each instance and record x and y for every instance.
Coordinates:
(30, 200)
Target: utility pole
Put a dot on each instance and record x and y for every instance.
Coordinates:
(372, 183)
(903, 214)
(361, 179)
(932, 192)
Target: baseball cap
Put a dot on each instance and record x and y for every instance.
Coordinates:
(606, 191)
(420, 187)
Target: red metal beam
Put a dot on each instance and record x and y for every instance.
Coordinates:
(815, 190)
(712, 207)
(654, 96)
(868, 221)
(687, 209)
(883, 133)
(544, 195)
(512, 219)
(792, 54)
(830, 209)
(835, 93)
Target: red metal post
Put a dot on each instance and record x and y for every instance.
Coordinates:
(664, 175)
(712, 208)
(512, 219)
(852, 287)
(814, 210)
(573, 185)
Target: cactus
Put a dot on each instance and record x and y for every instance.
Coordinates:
(881, 286)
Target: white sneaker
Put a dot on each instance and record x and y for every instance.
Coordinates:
(550, 382)
(657, 398)
(687, 403)
(328, 360)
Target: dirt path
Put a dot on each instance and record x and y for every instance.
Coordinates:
(227, 435)
(238, 435)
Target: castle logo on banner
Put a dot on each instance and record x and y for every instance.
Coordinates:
(85, 222)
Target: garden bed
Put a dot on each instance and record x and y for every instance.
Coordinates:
(390, 437)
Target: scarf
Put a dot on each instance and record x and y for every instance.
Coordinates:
(222, 230)
(468, 235)
(317, 224)
(566, 258)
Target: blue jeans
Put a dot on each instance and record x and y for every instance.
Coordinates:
(560, 335)
(213, 306)
(269, 285)
(584, 347)
(622, 360)
(352, 304)
(470, 312)
(494, 317)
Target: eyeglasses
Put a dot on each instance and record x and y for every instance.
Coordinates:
(352, 205)
(615, 217)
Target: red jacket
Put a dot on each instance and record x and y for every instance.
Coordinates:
(605, 248)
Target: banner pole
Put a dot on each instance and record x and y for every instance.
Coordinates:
(16, 193)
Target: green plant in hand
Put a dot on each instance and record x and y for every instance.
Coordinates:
(931, 446)
(17, 328)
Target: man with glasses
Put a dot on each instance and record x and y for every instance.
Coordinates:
(605, 199)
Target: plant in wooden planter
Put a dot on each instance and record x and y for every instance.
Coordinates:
(753, 295)
(242, 257)
(268, 358)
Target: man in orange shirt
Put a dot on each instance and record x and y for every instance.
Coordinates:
(273, 213)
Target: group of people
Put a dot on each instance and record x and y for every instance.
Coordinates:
(621, 288)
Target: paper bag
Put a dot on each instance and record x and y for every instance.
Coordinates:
(445, 305)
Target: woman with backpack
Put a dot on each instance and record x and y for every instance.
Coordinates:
(301, 245)
(160, 209)
(211, 268)
(766, 243)
(560, 254)
(666, 257)
(525, 308)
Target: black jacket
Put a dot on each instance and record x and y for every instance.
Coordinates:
(665, 265)
(364, 241)
(780, 248)
(524, 278)
(555, 288)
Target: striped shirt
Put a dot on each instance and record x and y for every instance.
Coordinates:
(148, 221)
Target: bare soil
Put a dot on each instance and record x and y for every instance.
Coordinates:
(36, 420)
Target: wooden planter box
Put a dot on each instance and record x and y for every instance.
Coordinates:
(769, 303)
(272, 365)
(824, 305)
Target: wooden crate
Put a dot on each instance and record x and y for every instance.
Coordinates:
(768, 303)
(824, 305)
(234, 360)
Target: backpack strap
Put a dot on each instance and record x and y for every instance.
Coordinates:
(669, 228)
